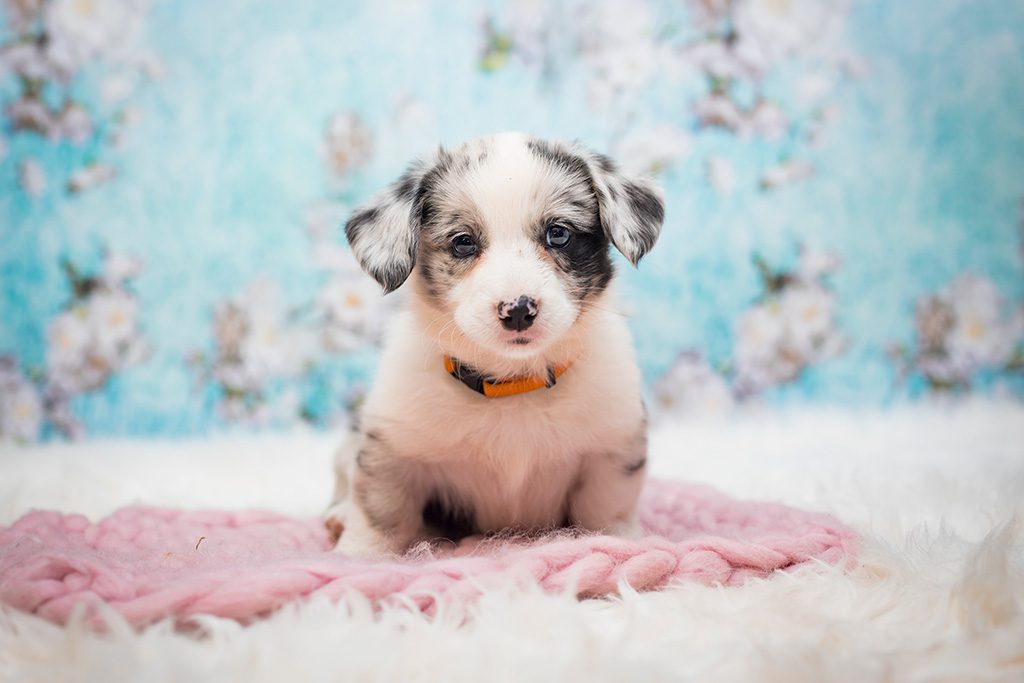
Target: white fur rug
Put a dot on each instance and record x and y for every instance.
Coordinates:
(937, 493)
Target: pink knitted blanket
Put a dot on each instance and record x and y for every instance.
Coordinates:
(151, 563)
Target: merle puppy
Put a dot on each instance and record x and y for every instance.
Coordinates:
(508, 395)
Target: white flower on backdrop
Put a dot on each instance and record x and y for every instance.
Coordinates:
(722, 56)
(90, 176)
(770, 31)
(32, 178)
(691, 387)
(350, 307)
(721, 175)
(56, 50)
(791, 327)
(266, 346)
(21, 406)
(963, 329)
(347, 144)
(652, 149)
(617, 44)
(96, 335)
(785, 172)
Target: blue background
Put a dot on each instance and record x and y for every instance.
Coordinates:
(919, 180)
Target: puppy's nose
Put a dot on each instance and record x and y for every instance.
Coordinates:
(517, 315)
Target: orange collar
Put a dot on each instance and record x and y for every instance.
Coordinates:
(492, 388)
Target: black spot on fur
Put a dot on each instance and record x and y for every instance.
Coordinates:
(605, 163)
(392, 277)
(378, 513)
(649, 211)
(425, 206)
(407, 185)
(359, 220)
(557, 156)
(429, 277)
(452, 523)
(585, 262)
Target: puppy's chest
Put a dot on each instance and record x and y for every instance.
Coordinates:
(548, 426)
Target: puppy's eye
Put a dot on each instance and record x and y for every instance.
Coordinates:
(463, 245)
(558, 236)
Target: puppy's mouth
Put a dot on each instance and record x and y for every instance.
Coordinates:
(520, 341)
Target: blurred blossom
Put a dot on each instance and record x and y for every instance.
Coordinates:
(29, 113)
(21, 13)
(721, 174)
(814, 87)
(96, 335)
(691, 387)
(713, 58)
(28, 60)
(768, 121)
(791, 328)
(708, 15)
(75, 124)
(90, 176)
(32, 178)
(616, 43)
(79, 31)
(21, 407)
(769, 31)
(718, 110)
(760, 333)
(353, 310)
(764, 120)
(652, 149)
(93, 337)
(69, 346)
(785, 173)
(807, 311)
(119, 268)
(961, 330)
(525, 32)
(52, 44)
(814, 264)
(734, 48)
(258, 344)
(347, 143)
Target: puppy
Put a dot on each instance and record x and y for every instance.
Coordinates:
(508, 395)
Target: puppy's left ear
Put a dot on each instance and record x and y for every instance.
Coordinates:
(383, 233)
(632, 208)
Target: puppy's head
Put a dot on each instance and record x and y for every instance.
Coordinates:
(507, 237)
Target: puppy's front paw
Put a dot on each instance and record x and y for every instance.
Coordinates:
(365, 546)
(334, 519)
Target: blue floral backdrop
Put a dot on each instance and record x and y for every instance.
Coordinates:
(844, 188)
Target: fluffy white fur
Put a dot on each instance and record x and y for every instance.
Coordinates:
(517, 457)
(575, 451)
(936, 492)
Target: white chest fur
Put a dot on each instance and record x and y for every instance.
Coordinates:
(511, 460)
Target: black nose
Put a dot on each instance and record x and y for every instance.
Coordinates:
(519, 314)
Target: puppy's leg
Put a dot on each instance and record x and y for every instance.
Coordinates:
(386, 508)
(344, 460)
(605, 498)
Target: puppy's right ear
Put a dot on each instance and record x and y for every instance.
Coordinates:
(383, 233)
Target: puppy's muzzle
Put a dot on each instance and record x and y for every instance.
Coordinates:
(519, 314)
